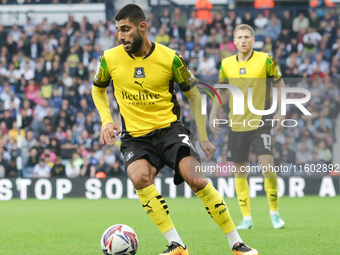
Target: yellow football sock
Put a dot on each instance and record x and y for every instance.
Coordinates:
(216, 207)
(242, 192)
(156, 207)
(270, 186)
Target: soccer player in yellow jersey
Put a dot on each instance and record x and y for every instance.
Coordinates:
(249, 68)
(143, 74)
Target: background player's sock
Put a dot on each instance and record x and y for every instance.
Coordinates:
(270, 186)
(172, 235)
(156, 208)
(242, 192)
(271, 213)
(248, 218)
(216, 207)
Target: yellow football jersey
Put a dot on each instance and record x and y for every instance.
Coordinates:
(258, 72)
(144, 86)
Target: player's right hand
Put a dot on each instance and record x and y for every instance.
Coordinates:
(208, 148)
(109, 133)
(214, 127)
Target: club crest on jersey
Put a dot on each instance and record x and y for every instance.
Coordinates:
(242, 71)
(139, 72)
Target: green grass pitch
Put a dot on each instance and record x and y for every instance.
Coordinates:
(74, 226)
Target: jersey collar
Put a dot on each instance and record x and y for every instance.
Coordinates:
(252, 53)
(150, 52)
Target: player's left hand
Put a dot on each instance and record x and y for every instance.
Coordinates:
(279, 119)
(208, 148)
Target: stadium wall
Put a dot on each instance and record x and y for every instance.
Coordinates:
(116, 188)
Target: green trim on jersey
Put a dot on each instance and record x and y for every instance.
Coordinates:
(102, 77)
(272, 69)
(222, 78)
(181, 73)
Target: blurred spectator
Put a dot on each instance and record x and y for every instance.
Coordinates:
(319, 64)
(179, 17)
(203, 38)
(11, 45)
(203, 11)
(29, 27)
(312, 35)
(193, 24)
(15, 33)
(3, 35)
(42, 169)
(3, 167)
(40, 70)
(232, 20)
(151, 19)
(207, 68)
(260, 23)
(32, 159)
(273, 28)
(28, 143)
(87, 169)
(27, 73)
(15, 132)
(74, 165)
(11, 169)
(314, 21)
(227, 47)
(324, 153)
(162, 37)
(107, 40)
(13, 75)
(288, 153)
(248, 19)
(71, 25)
(176, 31)
(58, 170)
(264, 4)
(69, 145)
(165, 19)
(103, 166)
(303, 155)
(33, 48)
(46, 88)
(300, 22)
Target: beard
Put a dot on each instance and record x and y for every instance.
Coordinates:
(135, 45)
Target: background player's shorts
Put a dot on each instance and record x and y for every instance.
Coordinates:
(165, 146)
(239, 144)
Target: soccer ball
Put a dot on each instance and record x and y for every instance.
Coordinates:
(119, 239)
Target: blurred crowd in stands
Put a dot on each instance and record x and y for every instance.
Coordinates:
(51, 1)
(46, 75)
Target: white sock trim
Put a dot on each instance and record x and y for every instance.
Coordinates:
(271, 213)
(233, 237)
(173, 236)
(248, 218)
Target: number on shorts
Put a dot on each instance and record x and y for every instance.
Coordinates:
(267, 141)
(186, 140)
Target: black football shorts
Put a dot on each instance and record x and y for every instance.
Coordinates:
(165, 146)
(239, 143)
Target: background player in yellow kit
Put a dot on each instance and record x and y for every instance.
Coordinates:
(249, 68)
